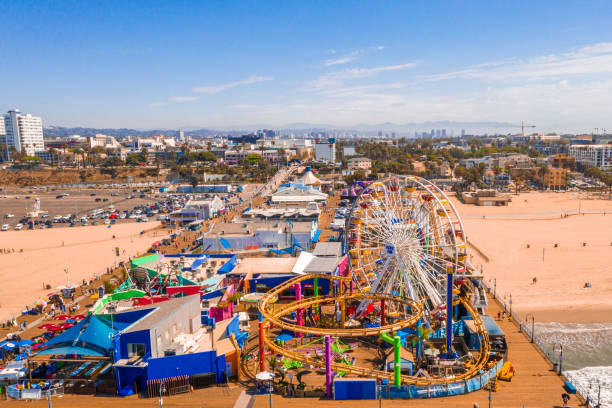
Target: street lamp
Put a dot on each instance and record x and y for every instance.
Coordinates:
(494, 288)
(532, 325)
(560, 357)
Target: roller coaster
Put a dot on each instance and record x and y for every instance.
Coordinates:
(407, 270)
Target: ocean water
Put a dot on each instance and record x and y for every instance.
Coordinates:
(587, 355)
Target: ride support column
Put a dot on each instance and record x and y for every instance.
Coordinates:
(449, 312)
(299, 312)
(316, 293)
(382, 312)
(342, 304)
(328, 370)
(262, 360)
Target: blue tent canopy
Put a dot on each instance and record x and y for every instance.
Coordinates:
(70, 350)
(316, 236)
(93, 336)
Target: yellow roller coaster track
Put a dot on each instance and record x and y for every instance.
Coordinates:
(272, 317)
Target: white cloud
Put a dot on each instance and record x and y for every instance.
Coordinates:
(344, 59)
(157, 104)
(214, 89)
(589, 60)
(337, 78)
(351, 56)
(183, 98)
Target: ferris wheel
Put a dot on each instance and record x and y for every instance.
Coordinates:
(403, 237)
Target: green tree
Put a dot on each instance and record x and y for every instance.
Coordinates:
(253, 159)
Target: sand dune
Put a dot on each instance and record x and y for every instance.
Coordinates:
(87, 251)
(561, 272)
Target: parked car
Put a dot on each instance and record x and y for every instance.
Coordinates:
(18, 227)
(6, 227)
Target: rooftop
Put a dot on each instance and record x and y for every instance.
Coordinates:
(248, 227)
(163, 310)
(265, 265)
(328, 249)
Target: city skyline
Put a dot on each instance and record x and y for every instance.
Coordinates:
(149, 65)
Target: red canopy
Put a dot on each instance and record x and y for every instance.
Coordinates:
(56, 328)
(62, 317)
(47, 326)
(66, 325)
(78, 317)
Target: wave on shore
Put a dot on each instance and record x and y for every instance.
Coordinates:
(587, 355)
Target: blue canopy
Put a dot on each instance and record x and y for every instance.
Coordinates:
(92, 336)
(25, 343)
(316, 235)
(70, 350)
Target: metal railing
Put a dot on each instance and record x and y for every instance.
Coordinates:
(528, 328)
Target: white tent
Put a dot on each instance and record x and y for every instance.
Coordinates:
(309, 179)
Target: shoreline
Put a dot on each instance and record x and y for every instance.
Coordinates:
(544, 263)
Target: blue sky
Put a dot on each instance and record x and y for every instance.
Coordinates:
(153, 64)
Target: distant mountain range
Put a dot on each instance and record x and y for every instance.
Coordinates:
(406, 129)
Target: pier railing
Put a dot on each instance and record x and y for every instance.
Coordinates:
(555, 358)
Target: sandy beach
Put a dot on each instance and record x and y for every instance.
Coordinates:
(535, 219)
(87, 251)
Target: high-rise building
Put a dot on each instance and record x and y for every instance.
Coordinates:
(462, 132)
(326, 151)
(23, 132)
(181, 136)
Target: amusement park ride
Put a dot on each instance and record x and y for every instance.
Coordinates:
(408, 278)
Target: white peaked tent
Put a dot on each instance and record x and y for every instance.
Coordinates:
(309, 179)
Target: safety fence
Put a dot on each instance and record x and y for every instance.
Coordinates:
(18, 393)
(439, 390)
(16, 388)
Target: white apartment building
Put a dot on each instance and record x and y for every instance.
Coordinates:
(599, 155)
(326, 151)
(24, 132)
(104, 141)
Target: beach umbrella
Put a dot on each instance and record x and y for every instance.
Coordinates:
(66, 325)
(79, 317)
(50, 294)
(71, 321)
(62, 317)
(56, 328)
(265, 376)
(40, 302)
(46, 326)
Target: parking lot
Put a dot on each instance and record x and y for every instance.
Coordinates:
(68, 205)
